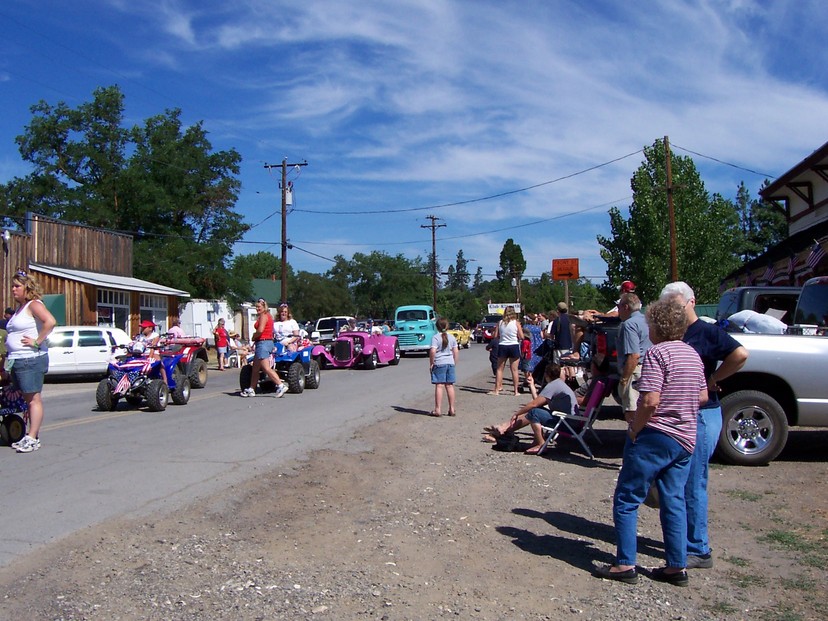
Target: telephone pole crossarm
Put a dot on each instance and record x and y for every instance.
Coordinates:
(284, 166)
(433, 226)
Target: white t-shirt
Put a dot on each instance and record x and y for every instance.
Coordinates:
(508, 333)
(443, 356)
(285, 329)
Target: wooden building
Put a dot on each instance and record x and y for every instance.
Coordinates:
(86, 275)
(802, 195)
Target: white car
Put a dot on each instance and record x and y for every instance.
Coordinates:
(83, 350)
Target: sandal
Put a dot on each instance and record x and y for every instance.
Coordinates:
(434, 413)
(452, 413)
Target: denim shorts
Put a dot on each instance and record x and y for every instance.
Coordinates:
(443, 374)
(221, 350)
(508, 351)
(263, 349)
(27, 373)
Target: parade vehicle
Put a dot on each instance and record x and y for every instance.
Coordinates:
(12, 410)
(485, 329)
(299, 369)
(358, 347)
(193, 362)
(136, 377)
(414, 326)
(461, 333)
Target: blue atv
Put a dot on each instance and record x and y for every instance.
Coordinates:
(13, 408)
(137, 377)
(299, 369)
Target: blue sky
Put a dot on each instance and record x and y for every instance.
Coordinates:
(400, 107)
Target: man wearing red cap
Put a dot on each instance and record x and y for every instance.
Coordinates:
(627, 286)
(150, 338)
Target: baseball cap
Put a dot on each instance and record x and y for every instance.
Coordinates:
(627, 286)
(147, 324)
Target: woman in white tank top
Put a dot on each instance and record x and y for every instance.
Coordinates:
(28, 355)
(508, 334)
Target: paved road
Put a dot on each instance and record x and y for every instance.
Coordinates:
(97, 465)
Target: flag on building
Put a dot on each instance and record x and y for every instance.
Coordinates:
(769, 273)
(816, 255)
(791, 265)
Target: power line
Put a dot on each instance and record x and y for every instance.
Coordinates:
(710, 157)
(472, 200)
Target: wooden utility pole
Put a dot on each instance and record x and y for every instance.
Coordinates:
(671, 211)
(284, 166)
(433, 226)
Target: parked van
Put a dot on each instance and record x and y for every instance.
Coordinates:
(83, 350)
(760, 299)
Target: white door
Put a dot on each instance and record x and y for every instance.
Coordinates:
(92, 352)
(62, 352)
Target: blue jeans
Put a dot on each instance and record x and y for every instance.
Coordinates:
(695, 491)
(654, 456)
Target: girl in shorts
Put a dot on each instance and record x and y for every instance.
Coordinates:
(443, 356)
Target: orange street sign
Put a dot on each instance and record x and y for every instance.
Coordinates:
(565, 269)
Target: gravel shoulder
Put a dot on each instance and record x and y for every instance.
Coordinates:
(415, 518)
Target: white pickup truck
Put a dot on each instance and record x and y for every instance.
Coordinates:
(783, 384)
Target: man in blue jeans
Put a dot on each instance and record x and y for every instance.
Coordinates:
(713, 345)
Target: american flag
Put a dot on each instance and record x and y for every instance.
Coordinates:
(816, 255)
(791, 265)
(769, 273)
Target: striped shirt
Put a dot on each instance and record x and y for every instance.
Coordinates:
(674, 370)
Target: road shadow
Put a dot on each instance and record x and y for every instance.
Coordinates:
(418, 411)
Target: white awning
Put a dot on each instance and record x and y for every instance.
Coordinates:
(109, 281)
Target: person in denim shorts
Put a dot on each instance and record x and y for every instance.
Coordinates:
(28, 328)
(442, 357)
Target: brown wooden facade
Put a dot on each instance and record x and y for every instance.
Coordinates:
(58, 244)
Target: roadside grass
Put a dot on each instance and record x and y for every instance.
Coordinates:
(722, 608)
(811, 552)
(799, 583)
(745, 581)
(781, 613)
(738, 494)
(737, 560)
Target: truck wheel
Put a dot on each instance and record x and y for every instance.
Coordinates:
(754, 429)
(369, 362)
(13, 429)
(397, 355)
(103, 396)
(198, 373)
(312, 380)
(181, 394)
(296, 378)
(157, 395)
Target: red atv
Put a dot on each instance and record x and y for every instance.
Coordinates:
(193, 357)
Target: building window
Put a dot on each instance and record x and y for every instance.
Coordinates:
(154, 308)
(113, 309)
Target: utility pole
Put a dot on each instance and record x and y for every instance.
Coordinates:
(433, 226)
(671, 211)
(284, 166)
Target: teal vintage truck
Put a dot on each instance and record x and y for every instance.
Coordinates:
(414, 326)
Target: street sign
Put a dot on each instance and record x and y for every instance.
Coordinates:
(565, 269)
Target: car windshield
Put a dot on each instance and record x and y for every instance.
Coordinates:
(412, 315)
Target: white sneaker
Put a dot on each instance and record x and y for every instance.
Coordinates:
(248, 392)
(27, 445)
(281, 389)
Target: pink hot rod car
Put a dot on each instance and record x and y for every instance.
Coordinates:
(351, 348)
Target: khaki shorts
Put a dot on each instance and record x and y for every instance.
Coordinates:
(629, 393)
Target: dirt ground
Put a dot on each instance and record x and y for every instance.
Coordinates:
(416, 518)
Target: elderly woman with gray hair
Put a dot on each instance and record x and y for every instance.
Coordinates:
(660, 442)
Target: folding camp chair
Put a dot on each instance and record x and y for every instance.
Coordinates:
(602, 388)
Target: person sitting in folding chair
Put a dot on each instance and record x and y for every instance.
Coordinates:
(555, 396)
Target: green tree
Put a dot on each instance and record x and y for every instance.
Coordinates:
(512, 263)
(315, 295)
(458, 276)
(159, 181)
(762, 225)
(707, 231)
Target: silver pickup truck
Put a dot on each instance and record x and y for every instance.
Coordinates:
(783, 384)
